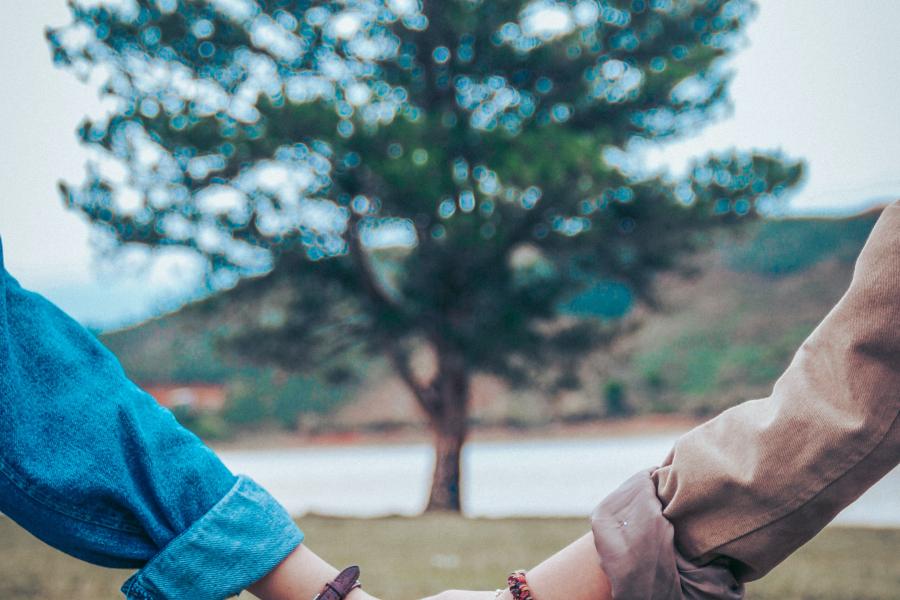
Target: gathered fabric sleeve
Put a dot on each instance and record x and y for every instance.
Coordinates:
(92, 465)
(741, 492)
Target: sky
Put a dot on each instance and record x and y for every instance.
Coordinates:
(819, 79)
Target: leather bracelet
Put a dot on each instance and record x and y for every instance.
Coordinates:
(518, 586)
(345, 582)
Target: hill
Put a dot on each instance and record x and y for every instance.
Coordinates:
(720, 337)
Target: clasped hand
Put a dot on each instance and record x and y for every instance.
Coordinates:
(467, 595)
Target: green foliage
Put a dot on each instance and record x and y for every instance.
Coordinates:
(243, 405)
(186, 347)
(614, 393)
(269, 398)
(782, 247)
(754, 343)
(604, 300)
(175, 348)
(208, 426)
(400, 172)
(701, 365)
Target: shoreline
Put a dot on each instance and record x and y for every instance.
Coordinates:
(270, 439)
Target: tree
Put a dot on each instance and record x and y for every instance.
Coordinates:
(413, 176)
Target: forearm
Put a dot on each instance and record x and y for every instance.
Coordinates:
(300, 576)
(94, 466)
(740, 493)
(573, 573)
(764, 477)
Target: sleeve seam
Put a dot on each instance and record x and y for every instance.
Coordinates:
(138, 582)
(48, 502)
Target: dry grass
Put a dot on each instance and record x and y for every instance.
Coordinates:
(404, 559)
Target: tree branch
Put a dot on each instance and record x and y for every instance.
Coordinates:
(425, 394)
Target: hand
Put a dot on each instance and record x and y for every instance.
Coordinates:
(359, 594)
(468, 595)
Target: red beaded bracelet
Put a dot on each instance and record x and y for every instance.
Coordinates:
(518, 586)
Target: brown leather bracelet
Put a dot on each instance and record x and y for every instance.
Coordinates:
(346, 581)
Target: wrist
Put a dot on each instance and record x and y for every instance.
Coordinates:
(519, 588)
(341, 586)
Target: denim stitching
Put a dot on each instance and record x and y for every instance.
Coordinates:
(68, 511)
(161, 555)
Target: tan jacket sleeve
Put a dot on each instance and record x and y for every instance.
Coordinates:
(741, 492)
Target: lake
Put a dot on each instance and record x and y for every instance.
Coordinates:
(501, 479)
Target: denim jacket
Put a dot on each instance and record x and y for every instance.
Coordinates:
(92, 465)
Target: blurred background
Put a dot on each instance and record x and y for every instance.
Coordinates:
(423, 244)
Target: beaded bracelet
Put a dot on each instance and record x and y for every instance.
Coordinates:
(518, 586)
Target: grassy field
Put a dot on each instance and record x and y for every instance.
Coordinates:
(404, 559)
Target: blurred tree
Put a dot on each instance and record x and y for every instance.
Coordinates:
(411, 175)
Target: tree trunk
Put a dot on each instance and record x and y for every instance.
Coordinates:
(449, 422)
(445, 490)
(445, 401)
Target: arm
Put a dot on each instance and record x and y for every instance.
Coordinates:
(741, 492)
(93, 466)
(300, 576)
(570, 574)
(828, 431)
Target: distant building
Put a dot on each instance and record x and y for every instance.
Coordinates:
(198, 397)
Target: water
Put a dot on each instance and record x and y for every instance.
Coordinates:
(501, 479)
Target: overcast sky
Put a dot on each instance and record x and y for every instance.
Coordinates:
(820, 79)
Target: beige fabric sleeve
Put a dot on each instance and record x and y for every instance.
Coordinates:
(749, 487)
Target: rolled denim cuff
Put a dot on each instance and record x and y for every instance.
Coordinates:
(636, 546)
(241, 539)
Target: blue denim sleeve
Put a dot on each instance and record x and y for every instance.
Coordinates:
(92, 465)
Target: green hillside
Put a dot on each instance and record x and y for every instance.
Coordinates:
(186, 347)
(726, 335)
(720, 337)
